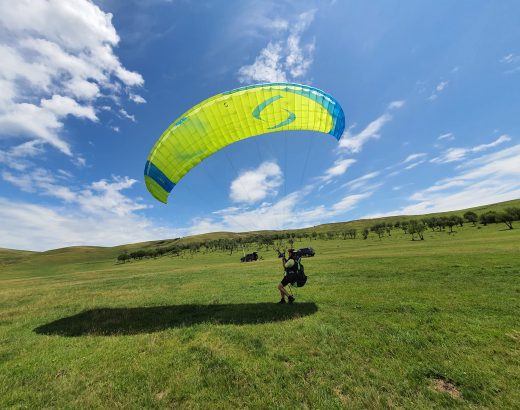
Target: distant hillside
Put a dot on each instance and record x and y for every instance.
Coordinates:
(330, 227)
(10, 256)
(78, 253)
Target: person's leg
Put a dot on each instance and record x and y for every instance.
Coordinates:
(283, 291)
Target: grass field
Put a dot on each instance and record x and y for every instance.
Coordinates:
(381, 324)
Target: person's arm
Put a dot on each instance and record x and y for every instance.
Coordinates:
(289, 263)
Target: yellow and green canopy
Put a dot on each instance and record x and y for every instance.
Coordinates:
(233, 116)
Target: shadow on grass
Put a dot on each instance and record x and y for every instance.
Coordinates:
(130, 321)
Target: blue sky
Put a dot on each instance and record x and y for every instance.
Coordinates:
(429, 89)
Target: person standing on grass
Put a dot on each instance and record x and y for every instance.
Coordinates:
(291, 270)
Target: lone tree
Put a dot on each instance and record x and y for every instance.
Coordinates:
(450, 223)
(515, 212)
(506, 218)
(365, 233)
(471, 216)
(416, 227)
(488, 218)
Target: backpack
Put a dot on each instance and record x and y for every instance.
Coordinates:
(301, 278)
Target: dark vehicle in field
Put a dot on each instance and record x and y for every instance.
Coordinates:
(303, 252)
(307, 252)
(249, 257)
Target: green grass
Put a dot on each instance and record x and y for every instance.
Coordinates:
(377, 324)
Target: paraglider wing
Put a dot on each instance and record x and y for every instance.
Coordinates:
(232, 116)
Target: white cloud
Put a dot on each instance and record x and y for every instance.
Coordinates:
(100, 197)
(438, 89)
(255, 185)
(125, 114)
(57, 60)
(339, 168)
(96, 214)
(352, 142)
(282, 60)
(299, 57)
(278, 215)
(257, 19)
(349, 202)
(137, 99)
(25, 120)
(513, 61)
(268, 66)
(510, 58)
(396, 104)
(37, 227)
(458, 154)
(15, 157)
(410, 162)
(414, 157)
(361, 182)
(487, 179)
(441, 86)
(102, 214)
(447, 136)
(413, 165)
(63, 106)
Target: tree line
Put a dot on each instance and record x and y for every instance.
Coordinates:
(417, 227)
(281, 240)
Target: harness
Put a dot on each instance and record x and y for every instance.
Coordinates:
(295, 267)
(298, 270)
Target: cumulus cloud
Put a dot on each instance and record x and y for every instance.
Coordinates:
(285, 59)
(458, 154)
(255, 185)
(57, 61)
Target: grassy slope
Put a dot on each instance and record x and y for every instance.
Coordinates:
(378, 321)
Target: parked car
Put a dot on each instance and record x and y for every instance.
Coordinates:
(249, 257)
(307, 252)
